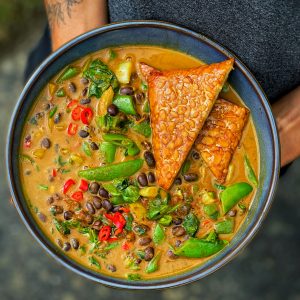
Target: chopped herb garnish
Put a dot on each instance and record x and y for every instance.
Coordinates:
(94, 262)
(134, 277)
(43, 187)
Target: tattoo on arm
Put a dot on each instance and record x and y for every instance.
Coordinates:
(57, 10)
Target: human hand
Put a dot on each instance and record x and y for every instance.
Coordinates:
(287, 115)
(70, 18)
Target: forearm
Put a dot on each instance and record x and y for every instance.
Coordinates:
(70, 18)
(287, 114)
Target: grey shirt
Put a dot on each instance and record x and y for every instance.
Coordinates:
(265, 34)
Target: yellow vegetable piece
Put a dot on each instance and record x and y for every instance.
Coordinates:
(38, 153)
(76, 159)
(207, 197)
(138, 211)
(52, 189)
(105, 101)
(52, 88)
(150, 191)
(230, 172)
(123, 71)
(50, 124)
(60, 127)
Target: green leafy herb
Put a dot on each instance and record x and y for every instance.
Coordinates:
(143, 128)
(93, 261)
(43, 187)
(158, 234)
(82, 250)
(129, 219)
(111, 246)
(131, 194)
(140, 254)
(165, 220)
(191, 224)
(52, 112)
(27, 158)
(157, 209)
(60, 161)
(250, 172)
(134, 277)
(153, 264)
(60, 92)
(64, 171)
(61, 227)
(211, 210)
(101, 78)
(86, 149)
(131, 263)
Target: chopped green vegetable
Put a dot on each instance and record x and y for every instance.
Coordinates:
(146, 107)
(185, 167)
(111, 246)
(153, 264)
(52, 112)
(157, 209)
(64, 226)
(112, 54)
(101, 78)
(125, 104)
(242, 207)
(225, 88)
(165, 220)
(111, 172)
(158, 234)
(86, 149)
(143, 128)
(60, 161)
(144, 86)
(43, 187)
(134, 277)
(93, 261)
(25, 157)
(191, 224)
(233, 194)
(198, 248)
(225, 226)
(208, 197)
(60, 92)
(68, 73)
(108, 150)
(123, 71)
(129, 219)
(211, 210)
(219, 186)
(250, 172)
(131, 194)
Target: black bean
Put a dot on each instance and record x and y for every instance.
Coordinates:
(116, 208)
(149, 159)
(74, 243)
(183, 210)
(59, 242)
(66, 246)
(50, 200)
(112, 110)
(46, 143)
(144, 241)
(97, 202)
(89, 219)
(140, 229)
(57, 118)
(94, 187)
(56, 210)
(42, 217)
(84, 91)
(177, 243)
(139, 97)
(84, 80)
(178, 231)
(171, 254)
(178, 181)
(103, 193)
(85, 101)
(107, 205)
(111, 268)
(177, 221)
(151, 177)
(126, 90)
(97, 225)
(94, 146)
(146, 145)
(72, 87)
(89, 206)
(68, 215)
(83, 133)
(149, 253)
(142, 179)
(232, 213)
(189, 177)
(195, 155)
(46, 106)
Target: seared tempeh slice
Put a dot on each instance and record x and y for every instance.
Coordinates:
(220, 136)
(180, 102)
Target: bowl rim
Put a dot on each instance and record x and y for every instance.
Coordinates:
(251, 230)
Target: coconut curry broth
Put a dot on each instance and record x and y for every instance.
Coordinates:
(52, 154)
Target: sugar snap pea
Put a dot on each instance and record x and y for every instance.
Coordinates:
(233, 194)
(125, 104)
(250, 172)
(108, 150)
(111, 172)
(68, 73)
(225, 226)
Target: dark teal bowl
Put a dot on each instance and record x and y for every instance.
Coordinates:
(168, 36)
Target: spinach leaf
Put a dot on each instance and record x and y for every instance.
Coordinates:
(94, 261)
(129, 219)
(101, 78)
(134, 277)
(153, 264)
(191, 224)
(131, 194)
(158, 234)
(157, 209)
(165, 220)
(143, 128)
(64, 226)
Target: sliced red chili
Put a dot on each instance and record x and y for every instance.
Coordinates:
(104, 233)
(84, 185)
(77, 196)
(54, 172)
(109, 216)
(112, 239)
(86, 116)
(119, 221)
(72, 129)
(125, 246)
(76, 113)
(72, 103)
(124, 209)
(67, 185)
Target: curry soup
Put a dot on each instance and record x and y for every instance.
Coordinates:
(124, 225)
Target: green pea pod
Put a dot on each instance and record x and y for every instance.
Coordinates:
(52, 112)
(125, 104)
(111, 172)
(146, 107)
(225, 226)
(198, 248)
(233, 194)
(250, 172)
(60, 92)
(68, 73)
(165, 220)
(153, 264)
(191, 224)
(211, 210)
(186, 166)
(158, 234)
(109, 150)
(86, 149)
(143, 128)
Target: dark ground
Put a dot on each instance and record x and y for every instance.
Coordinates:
(269, 268)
